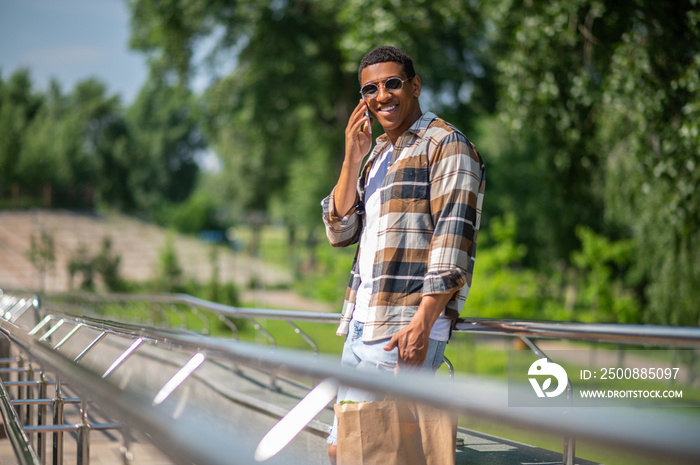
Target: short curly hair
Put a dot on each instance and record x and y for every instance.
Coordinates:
(386, 53)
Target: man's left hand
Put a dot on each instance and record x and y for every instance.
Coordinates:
(412, 342)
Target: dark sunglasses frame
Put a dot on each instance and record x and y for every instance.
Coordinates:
(371, 90)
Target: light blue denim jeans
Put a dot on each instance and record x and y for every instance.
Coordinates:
(371, 357)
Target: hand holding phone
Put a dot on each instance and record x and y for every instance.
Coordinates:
(369, 118)
(358, 134)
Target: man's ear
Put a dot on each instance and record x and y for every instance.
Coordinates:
(415, 82)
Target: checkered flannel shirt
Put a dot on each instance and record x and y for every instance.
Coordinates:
(431, 202)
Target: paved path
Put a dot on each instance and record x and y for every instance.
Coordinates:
(247, 406)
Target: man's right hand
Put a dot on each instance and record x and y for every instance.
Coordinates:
(358, 135)
(358, 142)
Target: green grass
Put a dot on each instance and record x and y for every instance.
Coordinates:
(322, 334)
(274, 244)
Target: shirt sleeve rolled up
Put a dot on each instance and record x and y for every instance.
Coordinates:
(456, 197)
(341, 231)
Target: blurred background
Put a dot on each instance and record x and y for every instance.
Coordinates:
(185, 146)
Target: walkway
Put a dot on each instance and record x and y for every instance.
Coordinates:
(244, 398)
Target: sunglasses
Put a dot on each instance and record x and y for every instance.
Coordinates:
(393, 84)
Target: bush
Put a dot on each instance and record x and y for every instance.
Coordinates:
(500, 287)
(599, 262)
(106, 264)
(81, 263)
(197, 213)
(170, 274)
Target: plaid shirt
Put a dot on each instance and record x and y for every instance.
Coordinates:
(431, 201)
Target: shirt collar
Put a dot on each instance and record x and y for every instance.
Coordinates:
(418, 129)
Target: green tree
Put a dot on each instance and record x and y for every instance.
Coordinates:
(651, 127)
(164, 125)
(197, 213)
(53, 144)
(604, 97)
(79, 143)
(502, 288)
(19, 105)
(83, 144)
(277, 119)
(107, 159)
(552, 57)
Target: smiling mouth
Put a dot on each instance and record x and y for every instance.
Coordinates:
(387, 109)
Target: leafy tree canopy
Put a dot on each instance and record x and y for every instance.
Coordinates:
(610, 91)
(277, 119)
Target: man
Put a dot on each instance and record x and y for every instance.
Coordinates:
(415, 208)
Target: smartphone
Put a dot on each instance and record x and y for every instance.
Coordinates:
(369, 118)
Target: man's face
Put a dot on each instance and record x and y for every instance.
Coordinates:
(396, 111)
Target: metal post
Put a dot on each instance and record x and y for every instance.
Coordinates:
(180, 313)
(20, 388)
(58, 420)
(90, 346)
(29, 415)
(36, 303)
(305, 336)
(569, 454)
(205, 320)
(41, 418)
(179, 378)
(450, 367)
(273, 374)
(230, 325)
(568, 449)
(83, 435)
(125, 449)
(123, 357)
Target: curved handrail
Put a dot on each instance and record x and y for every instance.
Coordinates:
(670, 336)
(647, 335)
(185, 442)
(667, 434)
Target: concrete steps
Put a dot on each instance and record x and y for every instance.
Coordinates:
(137, 243)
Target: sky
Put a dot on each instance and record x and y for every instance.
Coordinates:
(71, 40)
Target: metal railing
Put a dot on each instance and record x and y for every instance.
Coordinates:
(186, 441)
(525, 330)
(630, 334)
(668, 435)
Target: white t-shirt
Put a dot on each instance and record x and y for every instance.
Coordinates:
(368, 250)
